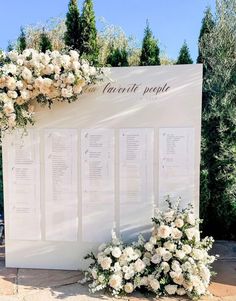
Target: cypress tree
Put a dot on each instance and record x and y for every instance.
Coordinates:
(44, 43)
(218, 195)
(10, 46)
(184, 55)
(72, 34)
(207, 26)
(117, 57)
(150, 50)
(22, 40)
(88, 32)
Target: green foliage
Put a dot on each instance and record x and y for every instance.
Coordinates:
(184, 55)
(44, 43)
(207, 26)
(1, 182)
(150, 50)
(72, 34)
(22, 40)
(10, 46)
(115, 36)
(88, 33)
(218, 166)
(117, 57)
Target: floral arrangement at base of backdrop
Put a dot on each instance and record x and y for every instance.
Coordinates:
(173, 261)
(44, 77)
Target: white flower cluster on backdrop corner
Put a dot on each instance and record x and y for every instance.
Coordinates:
(173, 261)
(44, 77)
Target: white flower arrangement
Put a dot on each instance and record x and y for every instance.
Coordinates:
(43, 77)
(117, 267)
(173, 261)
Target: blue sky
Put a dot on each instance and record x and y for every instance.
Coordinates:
(172, 21)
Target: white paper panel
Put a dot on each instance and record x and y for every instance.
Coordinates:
(24, 186)
(176, 165)
(136, 180)
(61, 182)
(97, 167)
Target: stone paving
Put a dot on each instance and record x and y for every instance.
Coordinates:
(55, 285)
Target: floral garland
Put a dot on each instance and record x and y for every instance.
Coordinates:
(44, 77)
(173, 261)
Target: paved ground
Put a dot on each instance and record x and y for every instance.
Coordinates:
(53, 285)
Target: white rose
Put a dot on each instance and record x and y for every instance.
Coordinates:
(39, 81)
(191, 219)
(70, 78)
(57, 69)
(115, 281)
(123, 260)
(45, 58)
(144, 281)
(76, 66)
(192, 233)
(176, 233)
(179, 254)
(106, 263)
(179, 279)
(13, 55)
(128, 287)
(179, 223)
(117, 267)
(156, 258)
(148, 246)
(139, 265)
(205, 274)
(12, 120)
(170, 246)
(187, 249)
(11, 68)
(26, 74)
(169, 215)
(147, 261)
(128, 251)
(186, 266)
(74, 55)
(116, 252)
(174, 274)
(20, 62)
(167, 256)
(67, 93)
(47, 82)
(200, 289)
(77, 89)
(176, 266)
(153, 240)
(20, 101)
(165, 267)
(181, 291)
(164, 231)
(8, 108)
(12, 94)
(195, 280)
(160, 251)
(188, 286)
(171, 289)
(19, 84)
(10, 83)
(197, 254)
(155, 284)
(25, 94)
